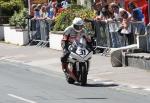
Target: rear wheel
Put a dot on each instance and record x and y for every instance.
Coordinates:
(83, 74)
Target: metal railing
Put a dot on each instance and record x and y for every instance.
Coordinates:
(148, 38)
(100, 38)
(39, 32)
(104, 37)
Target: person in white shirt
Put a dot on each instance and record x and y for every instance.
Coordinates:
(116, 9)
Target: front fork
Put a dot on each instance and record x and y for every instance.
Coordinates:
(78, 71)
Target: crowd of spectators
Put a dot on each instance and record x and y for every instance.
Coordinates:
(123, 25)
(48, 10)
(43, 17)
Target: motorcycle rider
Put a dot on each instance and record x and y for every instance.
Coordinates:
(71, 33)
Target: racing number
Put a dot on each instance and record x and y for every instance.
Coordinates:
(82, 52)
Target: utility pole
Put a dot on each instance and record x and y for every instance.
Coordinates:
(29, 14)
(149, 10)
(0, 11)
(29, 7)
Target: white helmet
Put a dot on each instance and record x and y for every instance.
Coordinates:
(78, 24)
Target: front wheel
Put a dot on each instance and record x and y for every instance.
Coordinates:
(83, 74)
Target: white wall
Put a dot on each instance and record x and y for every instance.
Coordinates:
(14, 36)
(55, 41)
(1, 32)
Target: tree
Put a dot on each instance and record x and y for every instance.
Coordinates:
(9, 6)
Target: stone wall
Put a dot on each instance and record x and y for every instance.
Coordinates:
(143, 42)
(139, 60)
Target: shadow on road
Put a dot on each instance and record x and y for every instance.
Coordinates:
(92, 98)
(99, 85)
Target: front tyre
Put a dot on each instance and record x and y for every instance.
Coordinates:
(83, 74)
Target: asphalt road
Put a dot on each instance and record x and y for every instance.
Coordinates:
(21, 83)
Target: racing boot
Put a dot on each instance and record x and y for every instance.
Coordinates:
(64, 67)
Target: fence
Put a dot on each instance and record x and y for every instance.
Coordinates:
(148, 38)
(101, 37)
(39, 32)
(109, 35)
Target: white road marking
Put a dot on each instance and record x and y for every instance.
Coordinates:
(133, 86)
(147, 89)
(22, 99)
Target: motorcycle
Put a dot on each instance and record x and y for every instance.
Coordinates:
(79, 58)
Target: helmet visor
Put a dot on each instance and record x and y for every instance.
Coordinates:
(78, 27)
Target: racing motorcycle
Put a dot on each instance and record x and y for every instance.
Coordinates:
(79, 59)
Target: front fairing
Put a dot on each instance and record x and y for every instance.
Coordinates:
(79, 51)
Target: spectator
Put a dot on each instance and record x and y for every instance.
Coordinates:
(138, 3)
(43, 12)
(136, 12)
(37, 12)
(117, 2)
(116, 9)
(99, 5)
(35, 23)
(113, 28)
(137, 20)
(58, 5)
(44, 26)
(105, 13)
(51, 11)
(51, 15)
(96, 9)
(125, 31)
(144, 9)
(33, 9)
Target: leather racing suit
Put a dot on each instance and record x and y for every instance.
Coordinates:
(70, 34)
